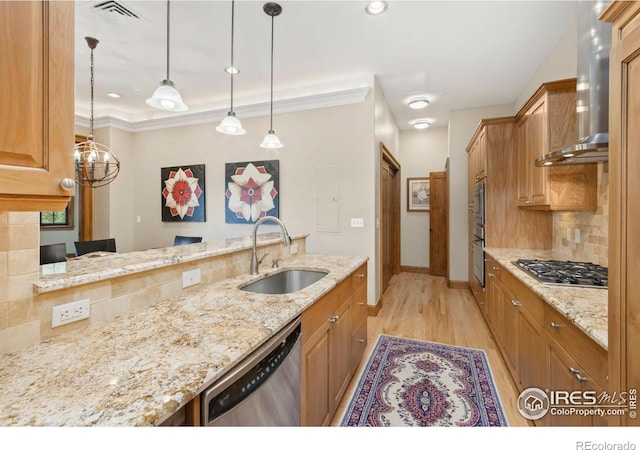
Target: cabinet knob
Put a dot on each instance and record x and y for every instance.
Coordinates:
(361, 341)
(67, 184)
(580, 378)
(361, 303)
(360, 275)
(574, 371)
(554, 325)
(333, 319)
(516, 303)
(495, 268)
(490, 275)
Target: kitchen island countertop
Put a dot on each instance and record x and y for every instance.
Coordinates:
(141, 367)
(585, 307)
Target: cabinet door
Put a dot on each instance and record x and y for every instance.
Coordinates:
(524, 174)
(36, 118)
(562, 378)
(536, 147)
(533, 355)
(481, 169)
(340, 352)
(511, 328)
(316, 402)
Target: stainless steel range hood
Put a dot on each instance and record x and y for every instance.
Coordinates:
(592, 109)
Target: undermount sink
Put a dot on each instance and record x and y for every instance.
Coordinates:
(285, 282)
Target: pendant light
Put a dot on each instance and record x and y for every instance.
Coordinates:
(166, 97)
(271, 140)
(95, 164)
(230, 124)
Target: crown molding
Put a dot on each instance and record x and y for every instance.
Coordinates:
(315, 101)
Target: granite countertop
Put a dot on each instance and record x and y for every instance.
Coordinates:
(103, 265)
(140, 368)
(586, 307)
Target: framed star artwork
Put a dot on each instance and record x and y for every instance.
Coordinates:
(252, 191)
(183, 193)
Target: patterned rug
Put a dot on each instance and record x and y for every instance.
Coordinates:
(417, 383)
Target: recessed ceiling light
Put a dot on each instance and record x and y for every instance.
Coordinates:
(376, 7)
(113, 95)
(420, 124)
(418, 103)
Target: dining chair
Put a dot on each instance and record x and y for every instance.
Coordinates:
(99, 245)
(53, 253)
(184, 240)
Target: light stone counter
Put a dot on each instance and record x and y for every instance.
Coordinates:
(86, 269)
(141, 367)
(586, 307)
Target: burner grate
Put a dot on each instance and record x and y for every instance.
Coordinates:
(569, 273)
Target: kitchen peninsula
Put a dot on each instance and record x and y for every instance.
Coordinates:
(144, 365)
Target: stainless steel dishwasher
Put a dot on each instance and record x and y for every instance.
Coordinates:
(263, 389)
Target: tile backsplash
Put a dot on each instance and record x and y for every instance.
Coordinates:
(593, 227)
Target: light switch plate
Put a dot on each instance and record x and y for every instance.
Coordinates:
(357, 222)
(294, 249)
(568, 234)
(577, 235)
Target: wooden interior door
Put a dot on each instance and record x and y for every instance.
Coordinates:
(389, 217)
(438, 236)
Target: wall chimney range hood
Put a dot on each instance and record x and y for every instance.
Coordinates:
(592, 109)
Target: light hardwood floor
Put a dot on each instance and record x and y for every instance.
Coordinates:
(419, 306)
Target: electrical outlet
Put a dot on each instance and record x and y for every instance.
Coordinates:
(293, 249)
(70, 312)
(190, 277)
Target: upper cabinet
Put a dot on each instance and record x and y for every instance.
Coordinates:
(478, 157)
(545, 123)
(37, 111)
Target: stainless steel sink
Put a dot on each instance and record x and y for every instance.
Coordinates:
(285, 282)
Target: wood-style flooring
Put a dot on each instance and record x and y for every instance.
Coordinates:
(419, 306)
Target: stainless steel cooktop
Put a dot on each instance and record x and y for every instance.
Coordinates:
(566, 273)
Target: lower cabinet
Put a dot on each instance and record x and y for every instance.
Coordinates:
(542, 348)
(334, 334)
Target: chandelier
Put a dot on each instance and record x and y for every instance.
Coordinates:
(95, 164)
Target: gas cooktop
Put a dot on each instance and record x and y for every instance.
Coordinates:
(566, 273)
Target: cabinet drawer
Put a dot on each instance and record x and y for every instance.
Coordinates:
(581, 347)
(359, 304)
(525, 296)
(358, 277)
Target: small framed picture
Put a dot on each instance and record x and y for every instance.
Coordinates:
(418, 194)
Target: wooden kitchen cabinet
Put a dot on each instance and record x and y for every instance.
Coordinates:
(624, 195)
(37, 114)
(329, 353)
(547, 122)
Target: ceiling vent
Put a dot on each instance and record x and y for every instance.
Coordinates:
(117, 8)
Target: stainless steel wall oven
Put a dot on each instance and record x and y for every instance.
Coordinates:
(478, 232)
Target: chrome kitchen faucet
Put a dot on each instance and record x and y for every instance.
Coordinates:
(286, 240)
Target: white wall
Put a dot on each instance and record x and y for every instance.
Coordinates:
(562, 63)
(423, 151)
(341, 136)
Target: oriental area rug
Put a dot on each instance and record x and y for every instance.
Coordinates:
(417, 383)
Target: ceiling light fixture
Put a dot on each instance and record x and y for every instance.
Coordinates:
(166, 97)
(113, 95)
(271, 140)
(95, 164)
(418, 103)
(420, 124)
(230, 124)
(376, 7)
